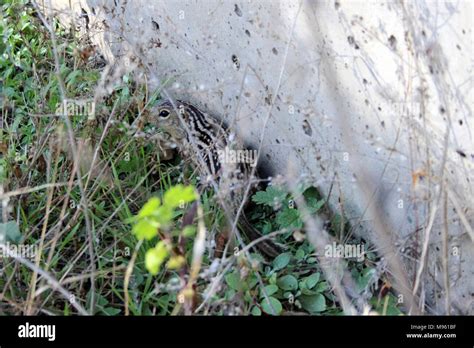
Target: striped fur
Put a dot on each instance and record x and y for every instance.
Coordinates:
(209, 137)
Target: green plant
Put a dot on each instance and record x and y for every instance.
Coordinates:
(154, 219)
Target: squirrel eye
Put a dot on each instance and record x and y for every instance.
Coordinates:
(164, 113)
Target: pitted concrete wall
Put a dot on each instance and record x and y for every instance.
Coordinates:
(353, 88)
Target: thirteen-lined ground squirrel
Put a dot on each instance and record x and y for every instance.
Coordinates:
(217, 155)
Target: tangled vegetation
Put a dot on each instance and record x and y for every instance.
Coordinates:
(107, 217)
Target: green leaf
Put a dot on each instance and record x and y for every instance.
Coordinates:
(269, 290)
(364, 278)
(256, 311)
(287, 282)
(300, 254)
(288, 295)
(314, 303)
(176, 262)
(189, 231)
(229, 294)
(281, 261)
(321, 287)
(100, 301)
(309, 283)
(10, 232)
(155, 257)
(337, 222)
(233, 280)
(150, 207)
(164, 215)
(305, 290)
(145, 229)
(163, 301)
(311, 196)
(289, 218)
(252, 280)
(178, 195)
(312, 280)
(271, 306)
(271, 196)
(111, 311)
(314, 208)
